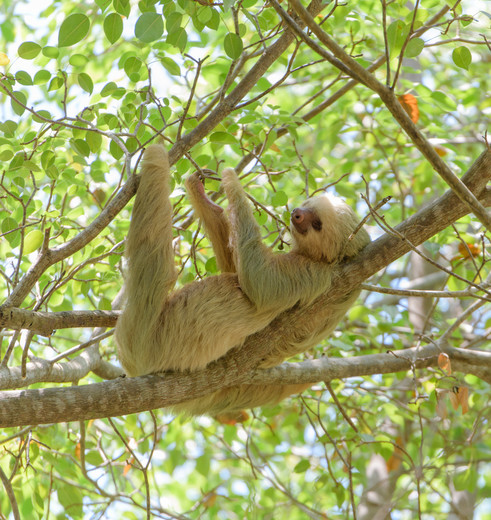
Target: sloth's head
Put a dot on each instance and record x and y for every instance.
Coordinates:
(320, 228)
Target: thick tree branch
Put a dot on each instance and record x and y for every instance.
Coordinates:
(131, 395)
(42, 370)
(45, 323)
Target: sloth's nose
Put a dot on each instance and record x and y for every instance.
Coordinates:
(298, 215)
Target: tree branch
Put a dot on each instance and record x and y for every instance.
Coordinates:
(45, 323)
(132, 395)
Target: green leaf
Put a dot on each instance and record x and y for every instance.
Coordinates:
(51, 52)
(280, 198)
(29, 50)
(9, 224)
(223, 137)
(85, 82)
(47, 159)
(81, 147)
(16, 107)
(78, 60)
(33, 241)
(103, 4)
(204, 14)
(115, 150)
(122, 7)
(233, 45)
(108, 89)
(40, 114)
(414, 48)
(41, 77)
(73, 29)
(55, 83)
(214, 21)
(462, 57)
(149, 27)
(94, 140)
(171, 66)
(173, 22)
(6, 155)
(132, 65)
(396, 36)
(113, 27)
(23, 78)
(8, 127)
(178, 38)
(203, 465)
(443, 100)
(302, 466)
(71, 499)
(466, 480)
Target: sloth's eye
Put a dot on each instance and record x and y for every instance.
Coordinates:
(317, 225)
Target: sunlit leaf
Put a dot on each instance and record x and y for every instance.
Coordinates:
(149, 27)
(85, 82)
(302, 466)
(18, 107)
(132, 65)
(178, 38)
(122, 7)
(34, 240)
(23, 78)
(397, 33)
(113, 27)
(233, 45)
(280, 198)
(462, 57)
(414, 47)
(55, 83)
(29, 50)
(73, 29)
(222, 137)
(51, 52)
(78, 60)
(171, 66)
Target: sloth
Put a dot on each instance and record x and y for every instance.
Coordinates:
(186, 329)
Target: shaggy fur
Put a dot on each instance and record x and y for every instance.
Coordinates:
(187, 329)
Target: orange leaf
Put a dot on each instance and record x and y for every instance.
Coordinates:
(410, 105)
(444, 363)
(463, 398)
(395, 459)
(209, 500)
(77, 450)
(127, 466)
(470, 250)
(441, 151)
(454, 399)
